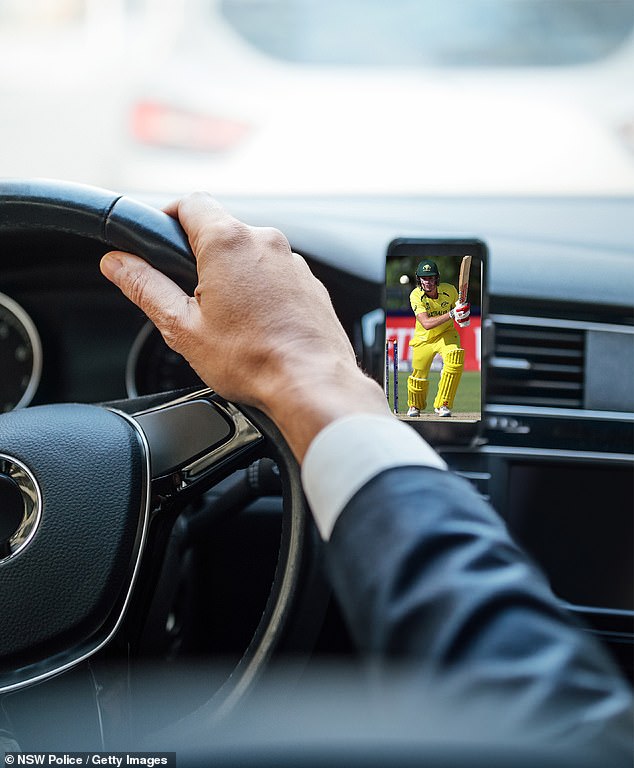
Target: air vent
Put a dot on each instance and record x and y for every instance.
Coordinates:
(536, 362)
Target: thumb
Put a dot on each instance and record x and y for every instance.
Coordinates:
(165, 303)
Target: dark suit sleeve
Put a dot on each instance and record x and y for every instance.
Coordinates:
(425, 571)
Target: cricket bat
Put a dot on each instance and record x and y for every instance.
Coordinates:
(463, 280)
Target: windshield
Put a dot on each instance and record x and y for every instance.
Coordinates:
(280, 97)
(423, 33)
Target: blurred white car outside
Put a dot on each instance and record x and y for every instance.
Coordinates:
(284, 97)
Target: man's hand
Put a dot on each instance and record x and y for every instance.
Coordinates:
(260, 328)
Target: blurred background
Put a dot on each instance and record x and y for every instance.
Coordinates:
(285, 97)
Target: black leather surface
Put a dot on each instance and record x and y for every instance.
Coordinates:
(138, 228)
(116, 221)
(63, 587)
(57, 206)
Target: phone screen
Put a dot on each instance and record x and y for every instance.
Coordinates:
(435, 312)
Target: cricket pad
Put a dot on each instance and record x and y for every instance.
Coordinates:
(417, 387)
(453, 364)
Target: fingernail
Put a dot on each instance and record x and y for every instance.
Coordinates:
(110, 265)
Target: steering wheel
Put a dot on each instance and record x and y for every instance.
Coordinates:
(85, 489)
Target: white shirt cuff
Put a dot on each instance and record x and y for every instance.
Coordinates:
(352, 450)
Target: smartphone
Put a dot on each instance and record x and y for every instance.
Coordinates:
(435, 304)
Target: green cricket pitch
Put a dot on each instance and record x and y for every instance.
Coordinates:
(466, 404)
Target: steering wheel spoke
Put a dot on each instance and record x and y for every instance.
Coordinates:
(195, 439)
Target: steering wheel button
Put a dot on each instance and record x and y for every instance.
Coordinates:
(181, 433)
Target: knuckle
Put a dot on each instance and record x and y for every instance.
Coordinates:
(322, 291)
(198, 195)
(228, 235)
(273, 238)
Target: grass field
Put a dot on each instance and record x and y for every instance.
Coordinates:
(467, 397)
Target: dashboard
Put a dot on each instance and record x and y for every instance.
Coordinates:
(556, 455)
(68, 337)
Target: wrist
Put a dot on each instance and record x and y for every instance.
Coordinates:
(303, 399)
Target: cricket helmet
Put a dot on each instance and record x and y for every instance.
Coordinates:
(427, 268)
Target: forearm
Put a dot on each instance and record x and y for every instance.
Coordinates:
(322, 390)
(433, 322)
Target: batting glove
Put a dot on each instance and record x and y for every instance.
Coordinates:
(461, 313)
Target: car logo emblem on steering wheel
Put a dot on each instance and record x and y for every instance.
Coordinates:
(20, 506)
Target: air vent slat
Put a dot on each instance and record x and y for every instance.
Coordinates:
(537, 365)
(554, 368)
(508, 349)
(545, 384)
(545, 335)
(538, 383)
(545, 402)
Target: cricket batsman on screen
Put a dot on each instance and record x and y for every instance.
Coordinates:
(437, 307)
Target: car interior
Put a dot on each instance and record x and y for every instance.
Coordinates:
(162, 583)
(553, 455)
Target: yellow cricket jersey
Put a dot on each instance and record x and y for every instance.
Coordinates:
(447, 298)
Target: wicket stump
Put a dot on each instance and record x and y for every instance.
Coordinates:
(394, 342)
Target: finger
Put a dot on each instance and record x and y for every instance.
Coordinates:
(171, 209)
(199, 213)
(164, 302)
